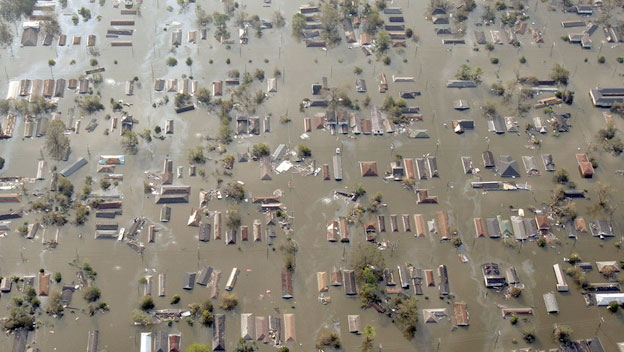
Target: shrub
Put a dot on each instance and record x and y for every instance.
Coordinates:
(514, 320)
(196, 155)
(620, 59)
(304, 151)
(523, 60)
(19, 319)
(203, 96)
(406, 315)
(259, 74)
(457, 242)
(602, 60)
(497, 89)
(172, 61)
(561, 176)
(562, 334)
(560, 75)
(529, 335)
(328, 339)
(175, 299)
(91, 294)
(206, 318)
(260, 150)
(130, 142)
(229, 301)
(141, 318)
(90, 104)
(494, 60)
(146, 303)
(54, 305)
(613, 307)
(235, 191)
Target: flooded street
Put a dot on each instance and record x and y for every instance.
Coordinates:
(310, 201)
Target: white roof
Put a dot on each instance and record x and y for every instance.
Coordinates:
(30, 24)
(603, 299)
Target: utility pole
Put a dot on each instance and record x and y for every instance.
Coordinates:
(599, 325)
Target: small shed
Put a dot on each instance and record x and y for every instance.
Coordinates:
(290, 333)
(354, 322)
(189, 281)
(550, 300)
(349, 282)
(287, 284)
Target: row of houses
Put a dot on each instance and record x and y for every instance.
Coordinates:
(338, 230)
(523, 228)
(271, 329)
(48, 88)
(507, 167)
(440, 224)
(519, 227)
(30, 37)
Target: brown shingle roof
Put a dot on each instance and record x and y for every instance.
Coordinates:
(368, 168)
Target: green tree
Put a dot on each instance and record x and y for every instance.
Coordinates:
(6, 36)
(369, 337)
(245, 346)
(406, 315)
(563, 334)
(130, 142)
(298, 25)
(303, 151)
(383, 42)
(229, 301)
(278, 20)
(330, 20)
(146, 303)
(56, 142)
(560, 75)
(196, 347)
(203, 96)
(92, 294)
(51, 64)
(189, 63)
(260, 150)
(233, 219)
(172, 61)
(54, 305)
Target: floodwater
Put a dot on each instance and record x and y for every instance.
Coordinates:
(309, 200)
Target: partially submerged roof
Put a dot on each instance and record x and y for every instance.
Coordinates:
(368, 168)
(507, 167)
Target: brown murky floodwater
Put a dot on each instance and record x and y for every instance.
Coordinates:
(309, 199)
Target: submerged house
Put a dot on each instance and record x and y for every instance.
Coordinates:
(349, 282)
(218, 333)
(601, 229)
(585, 166)
(443, 286)
(460, 310)
(507, 167)
(368, 168)
(549, 163)
(492, 276)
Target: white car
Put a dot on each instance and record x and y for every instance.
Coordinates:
(337, 150)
